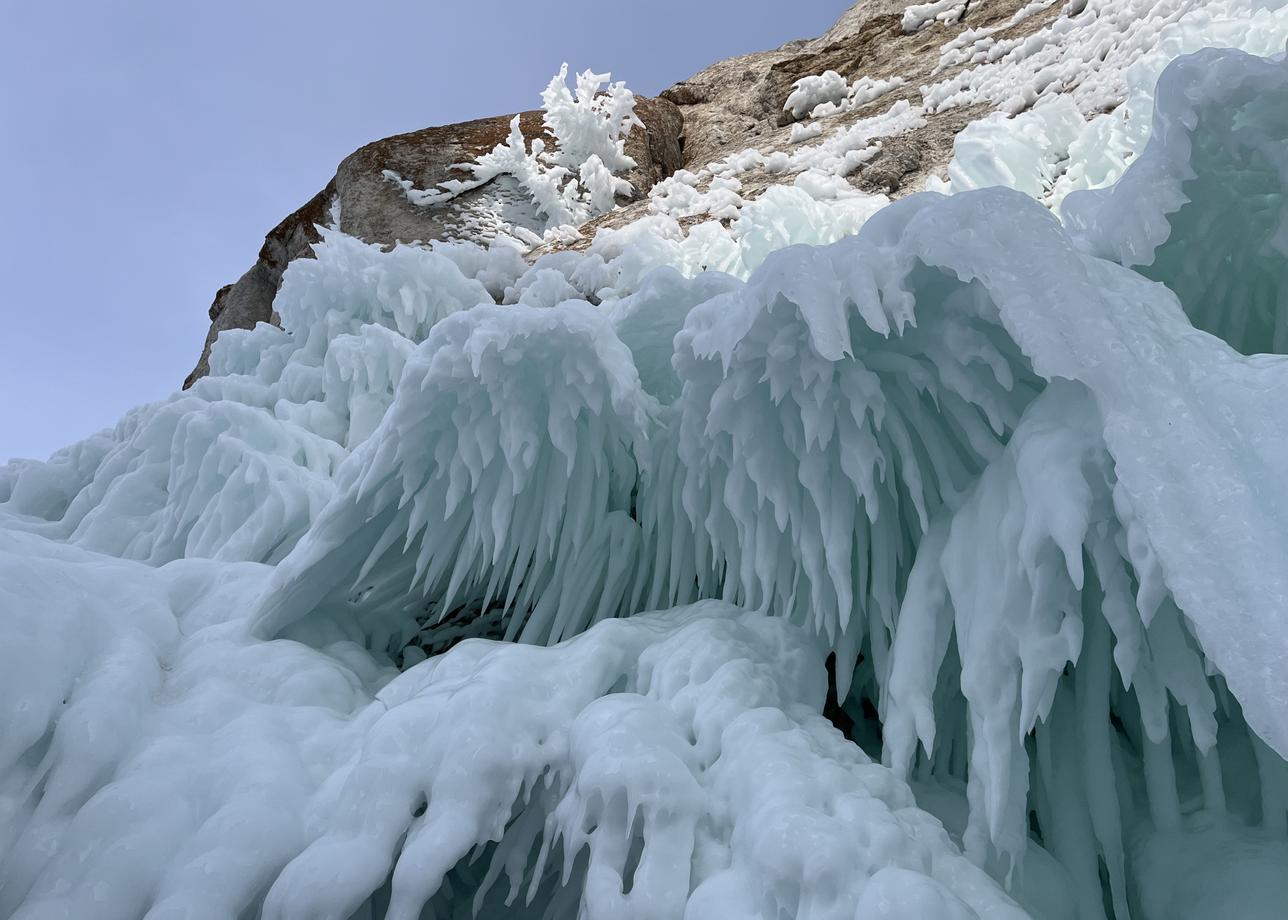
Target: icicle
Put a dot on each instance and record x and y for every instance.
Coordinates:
(1091, 698)
(1274, 786)
(1160, 784)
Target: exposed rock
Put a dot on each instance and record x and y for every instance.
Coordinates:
(907, 159)
(250, 299)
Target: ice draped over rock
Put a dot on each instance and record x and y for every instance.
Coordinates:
(562, 187)
(1014, 475)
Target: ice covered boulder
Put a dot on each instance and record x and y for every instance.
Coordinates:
(362, 202)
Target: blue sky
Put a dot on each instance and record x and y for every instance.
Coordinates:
(148, 146)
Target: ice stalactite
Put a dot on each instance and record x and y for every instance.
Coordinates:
(885, 410)
(1064, 633)
(502, 473)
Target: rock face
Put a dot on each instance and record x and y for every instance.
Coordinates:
(733, 105)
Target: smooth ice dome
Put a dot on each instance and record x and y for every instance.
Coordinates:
(792, 553)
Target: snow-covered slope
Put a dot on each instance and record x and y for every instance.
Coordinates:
(777, 551)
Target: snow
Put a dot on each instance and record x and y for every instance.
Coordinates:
(589, 121)
(488, 588)
(678, 196)
(802, 132)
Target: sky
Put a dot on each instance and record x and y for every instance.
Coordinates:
(148, 145)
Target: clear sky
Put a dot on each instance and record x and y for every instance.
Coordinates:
(147, 146)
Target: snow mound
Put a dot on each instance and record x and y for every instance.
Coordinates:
(945, 11)
(808, 93)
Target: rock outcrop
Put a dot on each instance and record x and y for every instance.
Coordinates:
(731, 106)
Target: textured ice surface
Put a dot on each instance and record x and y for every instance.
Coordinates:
(656, 766)
(996, 487)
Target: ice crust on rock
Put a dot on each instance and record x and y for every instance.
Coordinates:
(1012, 473)
(1101, 58)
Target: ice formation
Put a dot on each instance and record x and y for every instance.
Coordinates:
(484, 588)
